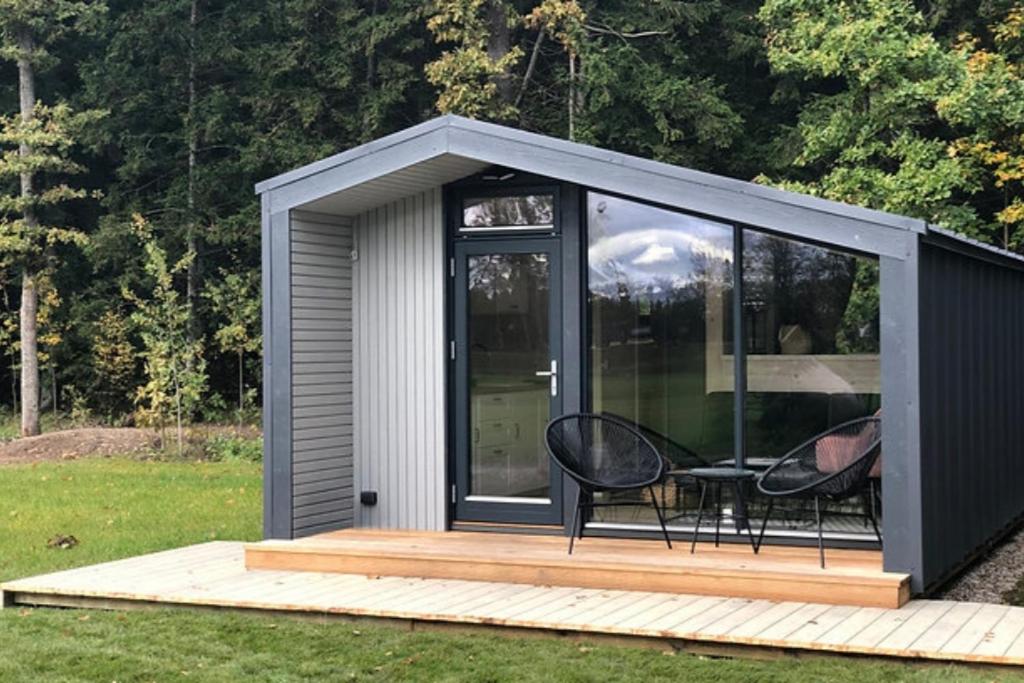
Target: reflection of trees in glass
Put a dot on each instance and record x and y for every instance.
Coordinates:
(660, 309)
(508, 301)
(826, 293)
(529, 209)
(858, 330)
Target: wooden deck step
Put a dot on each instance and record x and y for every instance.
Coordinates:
(777, 573)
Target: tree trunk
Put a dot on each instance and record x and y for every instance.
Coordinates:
(499, 42)
(191, 237)
(177, 410)
(29, 295)
(29, 357)
(241, 387)
(572, 96)
(53, 386)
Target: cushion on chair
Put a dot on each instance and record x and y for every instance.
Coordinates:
(836, 452)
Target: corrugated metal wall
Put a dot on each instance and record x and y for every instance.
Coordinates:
(321, 290)
(399, 363)
(972, 402)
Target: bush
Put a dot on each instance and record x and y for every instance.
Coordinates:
(231, 447)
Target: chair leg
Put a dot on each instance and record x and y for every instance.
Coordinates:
(718, 511)
(871, 514)
(661, 518)
(700, 515)
(575, 520)
(764, 524)
(821, 540)
(741, 502)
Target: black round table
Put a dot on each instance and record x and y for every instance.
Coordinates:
(717, 477)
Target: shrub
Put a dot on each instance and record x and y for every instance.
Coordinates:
(232, 447)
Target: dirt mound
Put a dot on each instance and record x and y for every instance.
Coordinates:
(78, 443)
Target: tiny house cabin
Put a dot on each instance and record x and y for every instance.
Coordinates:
(434, 298)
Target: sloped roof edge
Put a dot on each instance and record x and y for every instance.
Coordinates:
(589, 156)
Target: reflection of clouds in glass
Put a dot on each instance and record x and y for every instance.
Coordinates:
(643, 244)
(656, 253)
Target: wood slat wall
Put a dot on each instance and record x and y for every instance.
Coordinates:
(398, 364)
(321, 332)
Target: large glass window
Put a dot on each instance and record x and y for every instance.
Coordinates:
(812, 340)
(662, 353)
(659, 286)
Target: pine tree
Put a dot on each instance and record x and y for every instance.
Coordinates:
(43, 136)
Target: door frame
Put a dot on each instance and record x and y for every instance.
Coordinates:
(495, 510)
(568, 229)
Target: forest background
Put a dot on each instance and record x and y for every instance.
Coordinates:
(133, 132)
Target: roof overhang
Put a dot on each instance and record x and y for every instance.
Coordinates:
(445, 149)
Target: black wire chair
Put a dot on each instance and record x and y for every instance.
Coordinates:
(830, 468)
(604, 455)
(678, 461)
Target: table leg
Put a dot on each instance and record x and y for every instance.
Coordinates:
(700, 514)
(718, 510)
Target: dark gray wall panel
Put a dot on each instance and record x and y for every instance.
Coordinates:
(320, 338)
(972, 382)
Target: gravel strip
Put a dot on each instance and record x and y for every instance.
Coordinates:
(992, 575)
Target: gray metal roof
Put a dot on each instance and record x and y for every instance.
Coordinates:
(978, 246)
(450, 147)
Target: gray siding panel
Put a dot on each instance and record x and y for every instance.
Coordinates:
(972, 434)
(399, 363)
(321, 373)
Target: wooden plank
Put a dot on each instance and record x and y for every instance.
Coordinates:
(482, 600)
(977, 629)
(939, 633)
(214, 575)
(780, 630)
(930, 613)
(854, 624)
(693, 625)
(549, 611)
(880, 628)
(824, 622)
(1003, 634)
(560, 614)
(752, 627)
(669, 607)
(641, 606)
(604, 564)
(741, 616)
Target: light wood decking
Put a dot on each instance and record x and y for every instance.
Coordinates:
(214, 575)
(852, 577)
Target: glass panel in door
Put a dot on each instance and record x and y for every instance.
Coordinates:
(508, 401)
(510, 381)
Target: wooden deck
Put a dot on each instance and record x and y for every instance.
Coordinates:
(214, 575)
(852, 577)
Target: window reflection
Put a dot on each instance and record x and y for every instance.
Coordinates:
(812, 340)
(661, 352)
(657, 280)
(509, 332)
(516, 211)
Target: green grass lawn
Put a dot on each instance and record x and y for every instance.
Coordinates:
(117, 508)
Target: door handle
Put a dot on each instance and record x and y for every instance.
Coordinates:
(552, 374)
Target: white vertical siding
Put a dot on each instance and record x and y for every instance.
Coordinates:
(321, 333)
(398, 363)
